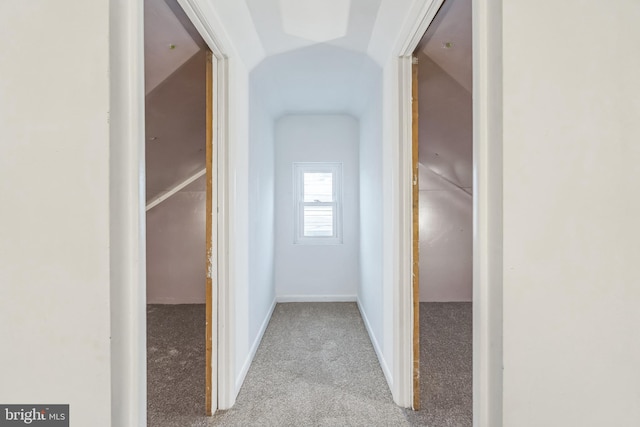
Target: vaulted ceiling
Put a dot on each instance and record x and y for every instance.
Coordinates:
(304, 56)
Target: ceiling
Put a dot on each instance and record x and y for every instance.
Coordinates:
(175, 101)
(162, 29)
(445, 102)
(286, 25)
(448, 41)
(304, 56)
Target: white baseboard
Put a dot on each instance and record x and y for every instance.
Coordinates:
(175, 301)
(254, 348)
(316, 298)
(376, 347)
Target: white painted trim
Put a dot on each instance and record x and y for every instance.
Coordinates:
(173, 190)
(487, 245)
(127, 210)
(127, 274)
(402, 294)
(415, 32)
(194, 10)
(254, 348)
(376, 346)
(487, 214)
(223, 329)
(403, 307)
(316, 298)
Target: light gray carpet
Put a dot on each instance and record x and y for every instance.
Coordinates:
(445, 366)
(315, 367)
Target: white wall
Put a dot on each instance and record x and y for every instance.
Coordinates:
(370, 292)
(571, 229)
(54, 187)
(261, 289)
(316, 272)
(176, 258)
(239, 211)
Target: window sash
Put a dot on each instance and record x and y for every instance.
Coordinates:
(302, 229)
(303, 233)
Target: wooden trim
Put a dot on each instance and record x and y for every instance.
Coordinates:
(209, 237)
(415, 253)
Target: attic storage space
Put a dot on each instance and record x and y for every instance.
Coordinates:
(445, 158)
(175, 157)
(445, 208)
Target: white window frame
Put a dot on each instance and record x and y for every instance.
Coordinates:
(299, 169)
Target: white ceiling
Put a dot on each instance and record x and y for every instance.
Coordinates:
(287, 25)
(315, 54)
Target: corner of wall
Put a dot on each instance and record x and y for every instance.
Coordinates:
(376, 346)
(254, 348)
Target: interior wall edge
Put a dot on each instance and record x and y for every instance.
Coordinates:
(376, 346)
(254, 348)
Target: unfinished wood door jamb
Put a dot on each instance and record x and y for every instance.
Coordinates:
(209, 237)
(415, 256)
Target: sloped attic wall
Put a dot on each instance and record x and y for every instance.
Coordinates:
(175, 151)
(446, 217)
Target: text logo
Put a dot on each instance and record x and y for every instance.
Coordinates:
(34, 415)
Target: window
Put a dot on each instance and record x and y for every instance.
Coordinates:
(318, 203)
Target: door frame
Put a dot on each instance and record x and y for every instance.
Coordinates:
(222, 386)
(487, 210)
(127, 214)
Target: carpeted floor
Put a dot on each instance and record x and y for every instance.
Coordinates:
(175, 362)
(445, 366)
(315, 367)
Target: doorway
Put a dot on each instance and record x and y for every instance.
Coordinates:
(127, 236)
(442, 154)
(179, 178)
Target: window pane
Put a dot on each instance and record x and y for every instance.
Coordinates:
(318, 221)
(318, 187)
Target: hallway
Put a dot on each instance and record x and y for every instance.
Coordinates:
(315, 367)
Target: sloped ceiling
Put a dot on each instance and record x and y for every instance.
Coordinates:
(316, 54)
(286, 25)
(448, 41)
(446, 120)
(175, 101)
(304, 56)
(162, 29)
